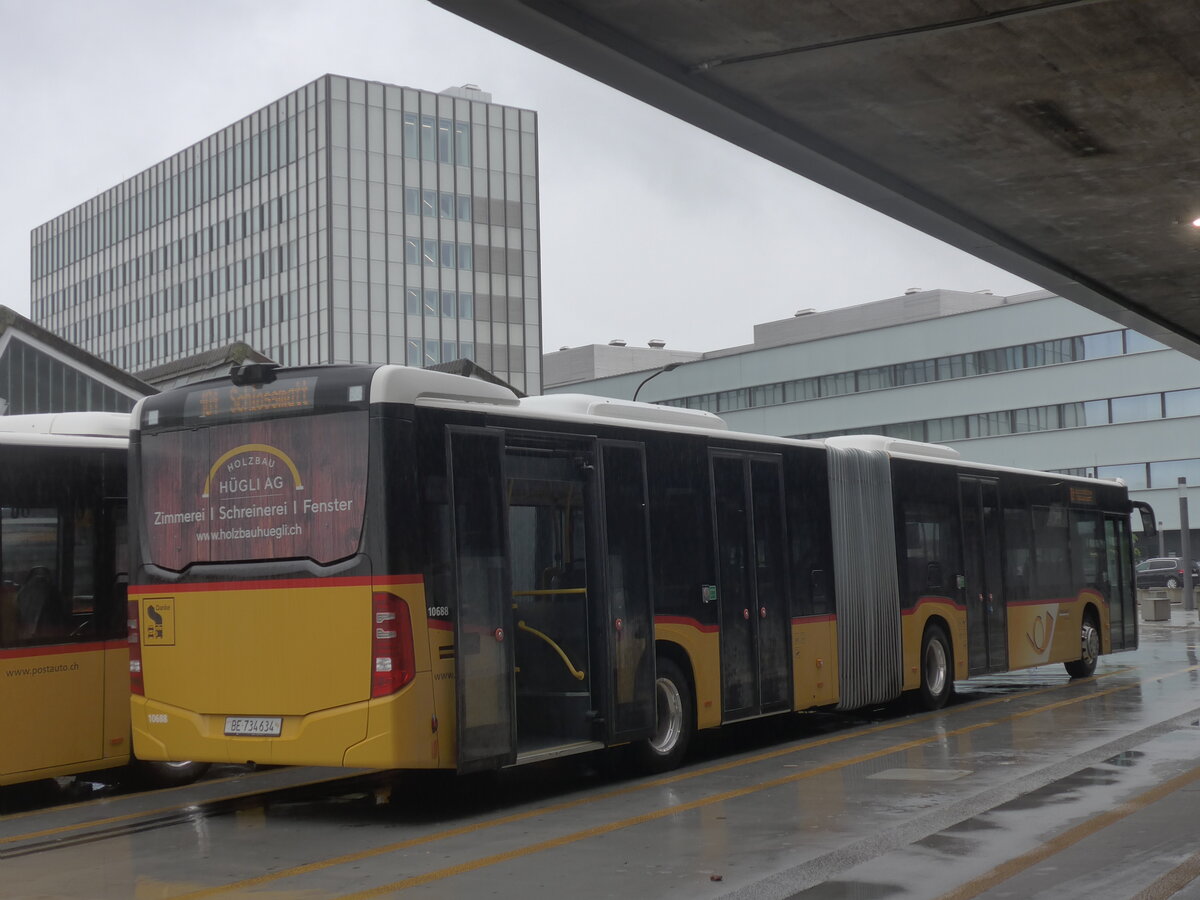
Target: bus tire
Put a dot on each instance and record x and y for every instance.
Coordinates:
(937, 668)
(155, 774)
(675, 720)
(1089, 648)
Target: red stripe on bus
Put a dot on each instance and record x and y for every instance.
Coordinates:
(59, 649)
(934, 601)
(267, 584)
(1058, 600)
(685, 620)
(808, 620)
(439, 625)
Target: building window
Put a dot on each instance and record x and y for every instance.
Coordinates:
(950, 428)
(1098, 346)
(1036, 418)
(873, 379)
(1167, 474)
(1182, 403)
(836, 385)
(1134, 475)
(989, 424)
(1137, 409)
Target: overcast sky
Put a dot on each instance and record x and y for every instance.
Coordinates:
(650, 227)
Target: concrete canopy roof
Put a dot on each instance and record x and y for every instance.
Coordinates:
(1057, 139)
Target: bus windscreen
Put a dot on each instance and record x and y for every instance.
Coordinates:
(269, 489)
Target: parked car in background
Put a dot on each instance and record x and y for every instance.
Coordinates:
(1164, 571)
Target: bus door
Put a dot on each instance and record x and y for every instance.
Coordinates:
(483, 619)
(626, 621)
(987, 612)
(751, 583)
(1122, 598)
(548, 487)
(583, 638)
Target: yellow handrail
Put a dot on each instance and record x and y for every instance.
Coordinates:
(579, 676)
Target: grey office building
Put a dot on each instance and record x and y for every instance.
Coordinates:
(349, 221)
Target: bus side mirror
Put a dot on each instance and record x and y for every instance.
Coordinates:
(1149, 528)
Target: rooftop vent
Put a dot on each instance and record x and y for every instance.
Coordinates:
(564, 347)
(616, 342)
(807, 311)
(656, 343)
(986, 292)
(912, 291)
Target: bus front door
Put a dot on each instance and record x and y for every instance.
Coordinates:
(749, 536)
(987, 612)
(482, 623)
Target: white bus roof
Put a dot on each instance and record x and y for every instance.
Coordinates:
(80, 429)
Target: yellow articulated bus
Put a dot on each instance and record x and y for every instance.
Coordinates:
(64, 657)
(388, 567)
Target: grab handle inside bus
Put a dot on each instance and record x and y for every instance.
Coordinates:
(579, 675)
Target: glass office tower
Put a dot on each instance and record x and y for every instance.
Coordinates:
(349, 221)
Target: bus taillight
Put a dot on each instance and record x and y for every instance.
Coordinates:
(136, 684)
(391, 645)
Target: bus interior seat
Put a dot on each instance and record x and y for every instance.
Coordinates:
(39, 609)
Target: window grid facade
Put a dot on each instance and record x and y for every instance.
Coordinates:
(944, 368)
(1108, 411)
(350, 221)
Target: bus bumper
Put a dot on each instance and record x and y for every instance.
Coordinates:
(389, 733)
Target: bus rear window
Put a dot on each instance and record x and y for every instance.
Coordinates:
(273, 489)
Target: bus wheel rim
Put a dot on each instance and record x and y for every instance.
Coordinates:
(1090, 643)
(935, 667)
(670, 716)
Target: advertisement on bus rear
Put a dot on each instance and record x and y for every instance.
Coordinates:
(274, 489)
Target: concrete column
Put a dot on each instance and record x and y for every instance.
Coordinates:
(1185, 546)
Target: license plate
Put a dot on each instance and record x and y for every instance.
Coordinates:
(253, 726)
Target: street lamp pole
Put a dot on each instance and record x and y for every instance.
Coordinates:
(667, 368)
(1185, 546)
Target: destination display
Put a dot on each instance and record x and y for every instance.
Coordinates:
(236, 401)
(274, 489)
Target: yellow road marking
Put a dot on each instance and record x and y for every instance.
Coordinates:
(1070, 837)
(358, 856)
(1173, 881)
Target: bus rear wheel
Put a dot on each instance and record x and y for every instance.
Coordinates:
(937, 670)
(1089, 649)
(674, 723)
